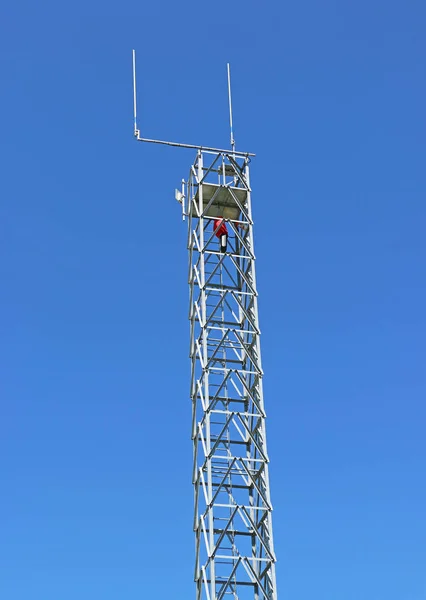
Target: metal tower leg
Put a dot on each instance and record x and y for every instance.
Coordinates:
(233, 512)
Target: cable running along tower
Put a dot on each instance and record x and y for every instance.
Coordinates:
(234, 550)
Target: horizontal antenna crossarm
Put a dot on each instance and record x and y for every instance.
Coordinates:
(203, 148)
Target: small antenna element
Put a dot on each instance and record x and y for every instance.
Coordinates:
(230, 108)
(136, 131)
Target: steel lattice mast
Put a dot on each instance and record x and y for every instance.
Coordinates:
(232, 517)
(232, 510)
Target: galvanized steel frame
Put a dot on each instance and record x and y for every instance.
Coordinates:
(232, 510)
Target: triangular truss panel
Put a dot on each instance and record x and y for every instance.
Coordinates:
(233, 513)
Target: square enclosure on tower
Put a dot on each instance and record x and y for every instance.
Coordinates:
(221, 201)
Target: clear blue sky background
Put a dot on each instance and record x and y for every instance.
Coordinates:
(95, 453)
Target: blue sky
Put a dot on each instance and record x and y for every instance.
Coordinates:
(95, 452)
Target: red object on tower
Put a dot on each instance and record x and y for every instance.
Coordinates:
(220, 227)
(221, 232)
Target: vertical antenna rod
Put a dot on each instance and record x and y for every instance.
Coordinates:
(136, 131)
(230, 107)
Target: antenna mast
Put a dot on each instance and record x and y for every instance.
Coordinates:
(136, 130)
(232, 522)
(178, 144)
(230, 108)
